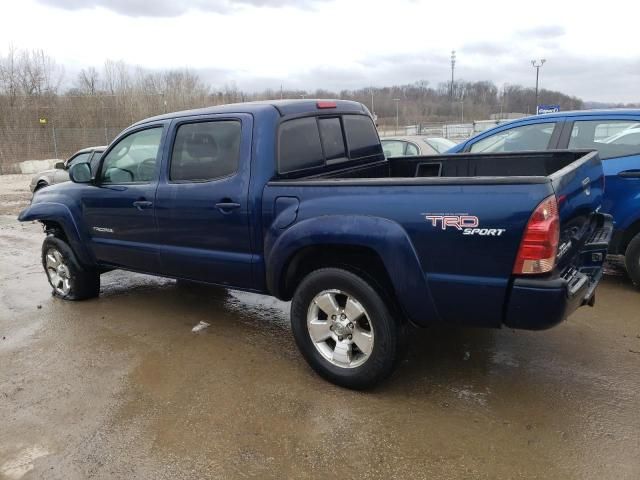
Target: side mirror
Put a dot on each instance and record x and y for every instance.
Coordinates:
(80, 173)
(59, 166)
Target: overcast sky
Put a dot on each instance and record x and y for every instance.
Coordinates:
(591, 49)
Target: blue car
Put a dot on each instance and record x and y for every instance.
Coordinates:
(616, 136)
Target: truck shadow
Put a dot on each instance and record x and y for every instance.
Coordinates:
(476, 362)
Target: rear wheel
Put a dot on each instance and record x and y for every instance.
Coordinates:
(344, 329)
(67, 277)
(632, 259)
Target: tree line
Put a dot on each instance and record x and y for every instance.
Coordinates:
(36, 93)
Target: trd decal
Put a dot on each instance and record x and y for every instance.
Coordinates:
(103, 229)
(465, 223)
(456, 221)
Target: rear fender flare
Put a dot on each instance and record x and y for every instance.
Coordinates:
(387, 238)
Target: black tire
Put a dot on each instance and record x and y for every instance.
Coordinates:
(83, 283)
(40, 186)
(390, 333)
(632, 260)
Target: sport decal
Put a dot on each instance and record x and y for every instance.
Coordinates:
(462, 222)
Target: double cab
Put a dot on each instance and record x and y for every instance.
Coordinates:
(295, 199)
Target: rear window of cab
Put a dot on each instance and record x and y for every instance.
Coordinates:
(316, 142)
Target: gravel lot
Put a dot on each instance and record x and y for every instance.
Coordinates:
(119, 387)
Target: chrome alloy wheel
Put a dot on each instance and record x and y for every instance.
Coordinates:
(58, 272)
(340, 329)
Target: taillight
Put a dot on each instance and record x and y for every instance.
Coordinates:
(539, 246)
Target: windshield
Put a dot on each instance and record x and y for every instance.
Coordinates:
(440, 145)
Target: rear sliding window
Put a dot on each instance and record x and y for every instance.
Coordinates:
(313, 142)
(332, 139)
(362, 137)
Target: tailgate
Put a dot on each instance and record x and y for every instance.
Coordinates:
(584, 231)
(543, 301)
(579, 188)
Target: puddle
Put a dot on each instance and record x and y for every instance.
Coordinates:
(23, 463)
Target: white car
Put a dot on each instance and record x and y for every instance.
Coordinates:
(409, 146)
(630, 136)
(60, 173)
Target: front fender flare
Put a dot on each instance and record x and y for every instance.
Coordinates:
(387, 238)
(60, 214)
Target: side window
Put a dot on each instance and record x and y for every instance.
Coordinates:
(81, 158)
(133, 159)
(612, 138)
(332, 139)
(393, 148)
(526, 137)
(205, 150)
(412, 150)
(362, 137)
(299, 145)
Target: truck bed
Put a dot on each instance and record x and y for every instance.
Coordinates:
(499, 191)
(520, 167)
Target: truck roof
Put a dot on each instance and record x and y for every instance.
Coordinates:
(284, 107)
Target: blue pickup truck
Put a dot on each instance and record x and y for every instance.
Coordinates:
(616, 136)
(295, 199)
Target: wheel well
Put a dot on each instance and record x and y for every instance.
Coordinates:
(362, 261)
(55, 229)
(41, 184)
(629, 233)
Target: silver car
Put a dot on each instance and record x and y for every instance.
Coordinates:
(407, 146)
(60, 173)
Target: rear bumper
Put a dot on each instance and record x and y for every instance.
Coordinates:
(541, 303)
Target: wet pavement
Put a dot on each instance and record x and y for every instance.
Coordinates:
(120, 387)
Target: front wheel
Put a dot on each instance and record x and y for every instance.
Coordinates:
(344, 329)
(67, 277)
(632, 259)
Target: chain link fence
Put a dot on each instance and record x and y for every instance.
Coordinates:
(25, 144)
(50, 143)
(456, 132)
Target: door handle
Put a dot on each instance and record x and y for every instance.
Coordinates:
(142, 204)
(630, 174)
(227, 206)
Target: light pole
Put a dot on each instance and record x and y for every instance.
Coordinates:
(537, 65)
(453, 67)
(397, 100)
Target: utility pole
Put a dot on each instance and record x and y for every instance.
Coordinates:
(537, 65)
(373, 111)
(397, 100)
(503, 103)
(453, 67)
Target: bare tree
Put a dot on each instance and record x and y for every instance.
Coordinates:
(87, 81)
(9, 79)
(38, 74)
